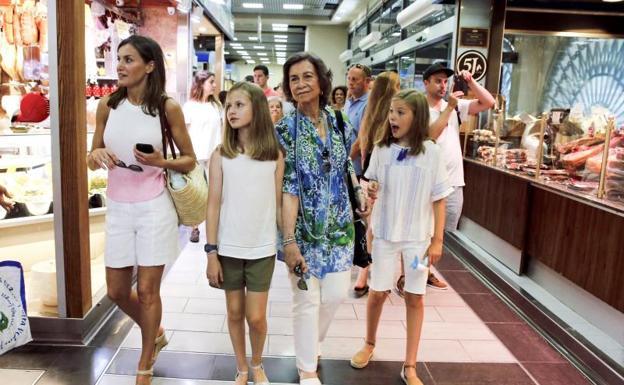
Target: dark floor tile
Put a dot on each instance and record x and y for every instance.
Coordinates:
(339, 372)
(478, 374)
(169, 364)
(77, 365)
(114, 331)
(449, 262)
(524, 343)
(30, 356)
(490, 308)
(556, 374)
(463, 282)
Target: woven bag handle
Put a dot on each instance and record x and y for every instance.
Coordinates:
(165, 130)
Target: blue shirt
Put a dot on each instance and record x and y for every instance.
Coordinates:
(315, 173)
(354, 108)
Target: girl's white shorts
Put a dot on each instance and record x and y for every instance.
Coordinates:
(385, 254)
(141, 233)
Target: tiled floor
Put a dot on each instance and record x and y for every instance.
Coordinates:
(469, 337)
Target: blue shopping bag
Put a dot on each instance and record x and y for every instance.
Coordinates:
(14, 326)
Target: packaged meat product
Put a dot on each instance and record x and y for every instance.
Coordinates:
(28, 29)
(8, 24)
(614, 163)
(594, 164)
(17, 29)
(583, 186)
(577, 159)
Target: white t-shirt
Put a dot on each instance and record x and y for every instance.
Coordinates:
(204, 120)
(247, 219)
(407, 189)
(449, 141)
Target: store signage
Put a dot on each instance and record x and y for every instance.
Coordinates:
(474, 37)
(473, 62)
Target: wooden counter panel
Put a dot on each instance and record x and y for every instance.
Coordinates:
(496, 201)
(583, 243)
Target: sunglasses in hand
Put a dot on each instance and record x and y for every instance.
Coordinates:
(301, 284)
(132, 167)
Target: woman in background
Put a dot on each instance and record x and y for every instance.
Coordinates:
(276, 109)
(203, 117)
(338, 97)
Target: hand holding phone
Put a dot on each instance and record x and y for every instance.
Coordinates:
(145, 148)
(459, 84)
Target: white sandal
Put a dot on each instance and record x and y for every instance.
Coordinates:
(239, 374)
(260, 367)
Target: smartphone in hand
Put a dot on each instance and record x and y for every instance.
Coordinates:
(459, 84)
(145, 148)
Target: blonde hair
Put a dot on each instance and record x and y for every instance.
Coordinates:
(419, 129)
(263, 143)
(377, 110)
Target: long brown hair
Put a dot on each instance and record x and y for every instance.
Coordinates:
(197, 89)
(263, 143)
(377, 110)
(154, 95)
(419, 129)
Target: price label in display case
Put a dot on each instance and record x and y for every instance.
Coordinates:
(473, 62)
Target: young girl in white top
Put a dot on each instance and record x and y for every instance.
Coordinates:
(244, 202)
(203, 118)
(409, 184)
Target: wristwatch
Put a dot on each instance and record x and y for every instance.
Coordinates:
(209, 248)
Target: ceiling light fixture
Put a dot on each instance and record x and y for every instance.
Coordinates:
(280, 36)
(281, 40)
(293, 6)
(258, 47)
(253, 38)
(261, 53)
(280, 27)
(253, 5)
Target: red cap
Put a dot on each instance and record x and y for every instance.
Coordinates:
(34, 108)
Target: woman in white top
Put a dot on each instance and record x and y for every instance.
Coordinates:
(203, 117)
(244, 206)
(141, 221)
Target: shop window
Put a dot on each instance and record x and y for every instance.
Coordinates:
(445, 12)
(387, 25)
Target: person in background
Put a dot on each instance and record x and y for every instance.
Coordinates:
(409, 183)
(222, 96)
(287, 106)
(203, 118)
(338, 97)
(241, 248)
(261, 78)
(318, 232)
(444, 130)
(5, 203)
(358, 81)
(275, 107)
(249, 79)
(141, 221)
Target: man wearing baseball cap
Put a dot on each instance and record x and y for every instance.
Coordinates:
(445, 118)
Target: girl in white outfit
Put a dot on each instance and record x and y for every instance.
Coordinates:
(203, 117)
(244, 206)
(409, 183)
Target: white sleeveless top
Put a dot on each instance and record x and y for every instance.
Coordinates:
(126, 126)
(247, 222)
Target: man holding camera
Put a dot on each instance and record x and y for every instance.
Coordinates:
(445, 119)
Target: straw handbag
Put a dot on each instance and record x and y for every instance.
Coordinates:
(190, 201)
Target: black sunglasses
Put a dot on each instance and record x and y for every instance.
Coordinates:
(301, 284)
(326, 162)
(364, 68)
(132, 167)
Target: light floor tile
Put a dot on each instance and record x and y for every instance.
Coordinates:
(488, 351)
(397, 313)
(193, 322)
(457, 314)
(442, 351)
(443, 298)
(284, 309)
(456, 331)
(341, 348)
(217, 343)
(174, 304)
(20, 377)
(276, 326)
(206, 306)
(113, 379)
(281, 346)
(133, 339)
(357, 329)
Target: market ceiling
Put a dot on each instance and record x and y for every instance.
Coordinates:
(283, 27)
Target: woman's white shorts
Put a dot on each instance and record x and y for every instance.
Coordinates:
(385, 254)
(141, 233)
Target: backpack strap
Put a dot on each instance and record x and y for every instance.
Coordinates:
(165, 129)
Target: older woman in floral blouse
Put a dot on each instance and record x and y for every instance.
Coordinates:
(318, 222)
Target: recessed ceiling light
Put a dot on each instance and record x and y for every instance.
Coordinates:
(251, 62)
(258, 47)
(202, 29)
(612, 1)
(281, 41)
(261, 53)
(226, 52)
(280, 36)
(253, 5)
(280, 48)
(253, 38)
(280, 27)
(235, 39)
(246, 57)
(280, 54)
(293, 6)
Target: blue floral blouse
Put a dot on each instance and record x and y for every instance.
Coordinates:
(315, 173)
